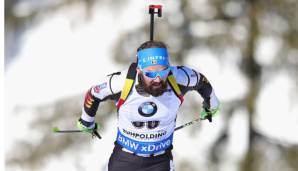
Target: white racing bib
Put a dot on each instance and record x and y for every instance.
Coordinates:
(146, 124)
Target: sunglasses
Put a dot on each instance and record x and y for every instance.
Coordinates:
(149, 124)
(154, 74)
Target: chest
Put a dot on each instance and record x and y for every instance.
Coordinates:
(141, 108)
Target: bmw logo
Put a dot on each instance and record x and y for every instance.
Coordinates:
(147, 109)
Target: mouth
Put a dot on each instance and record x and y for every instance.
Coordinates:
(156, 84)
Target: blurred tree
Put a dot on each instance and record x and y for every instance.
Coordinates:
(260, 19)
(217, 25)
(22, 15)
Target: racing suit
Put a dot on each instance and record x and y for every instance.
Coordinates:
(145, 123)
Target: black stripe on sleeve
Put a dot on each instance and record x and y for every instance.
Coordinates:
(196, 76)
(204, 88)
(85, 123)
(188, 79)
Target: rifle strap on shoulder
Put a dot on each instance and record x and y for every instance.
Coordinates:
(129, 81)
(175, 87)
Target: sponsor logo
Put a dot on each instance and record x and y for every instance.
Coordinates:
(148, 124)
(142, 136)
(147, 109)
(151, 58)
(153, 61)
(99, 87)
(144, 147)
(103, 85)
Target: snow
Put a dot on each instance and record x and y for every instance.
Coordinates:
(222, 75)
(201, 140)
(277, 109)
(237, 144)
(267, 49)
(58, 61)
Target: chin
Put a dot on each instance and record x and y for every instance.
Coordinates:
(156, 92)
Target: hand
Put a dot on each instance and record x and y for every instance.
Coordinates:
(86, 129)
(208, 113)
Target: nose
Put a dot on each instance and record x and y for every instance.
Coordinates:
(157, 79)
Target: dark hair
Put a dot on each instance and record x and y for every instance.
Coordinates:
(150, 44)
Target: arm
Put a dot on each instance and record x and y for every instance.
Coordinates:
(108, 89)
(189, 79)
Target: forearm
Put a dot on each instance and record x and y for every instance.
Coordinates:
(89, 109)
(206, 91)
(108, 89)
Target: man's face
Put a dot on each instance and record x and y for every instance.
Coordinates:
(154, 86)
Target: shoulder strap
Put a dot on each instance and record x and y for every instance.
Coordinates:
(129, 81)
(175, 87)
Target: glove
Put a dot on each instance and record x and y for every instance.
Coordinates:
(208, 113)
(86, 129)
